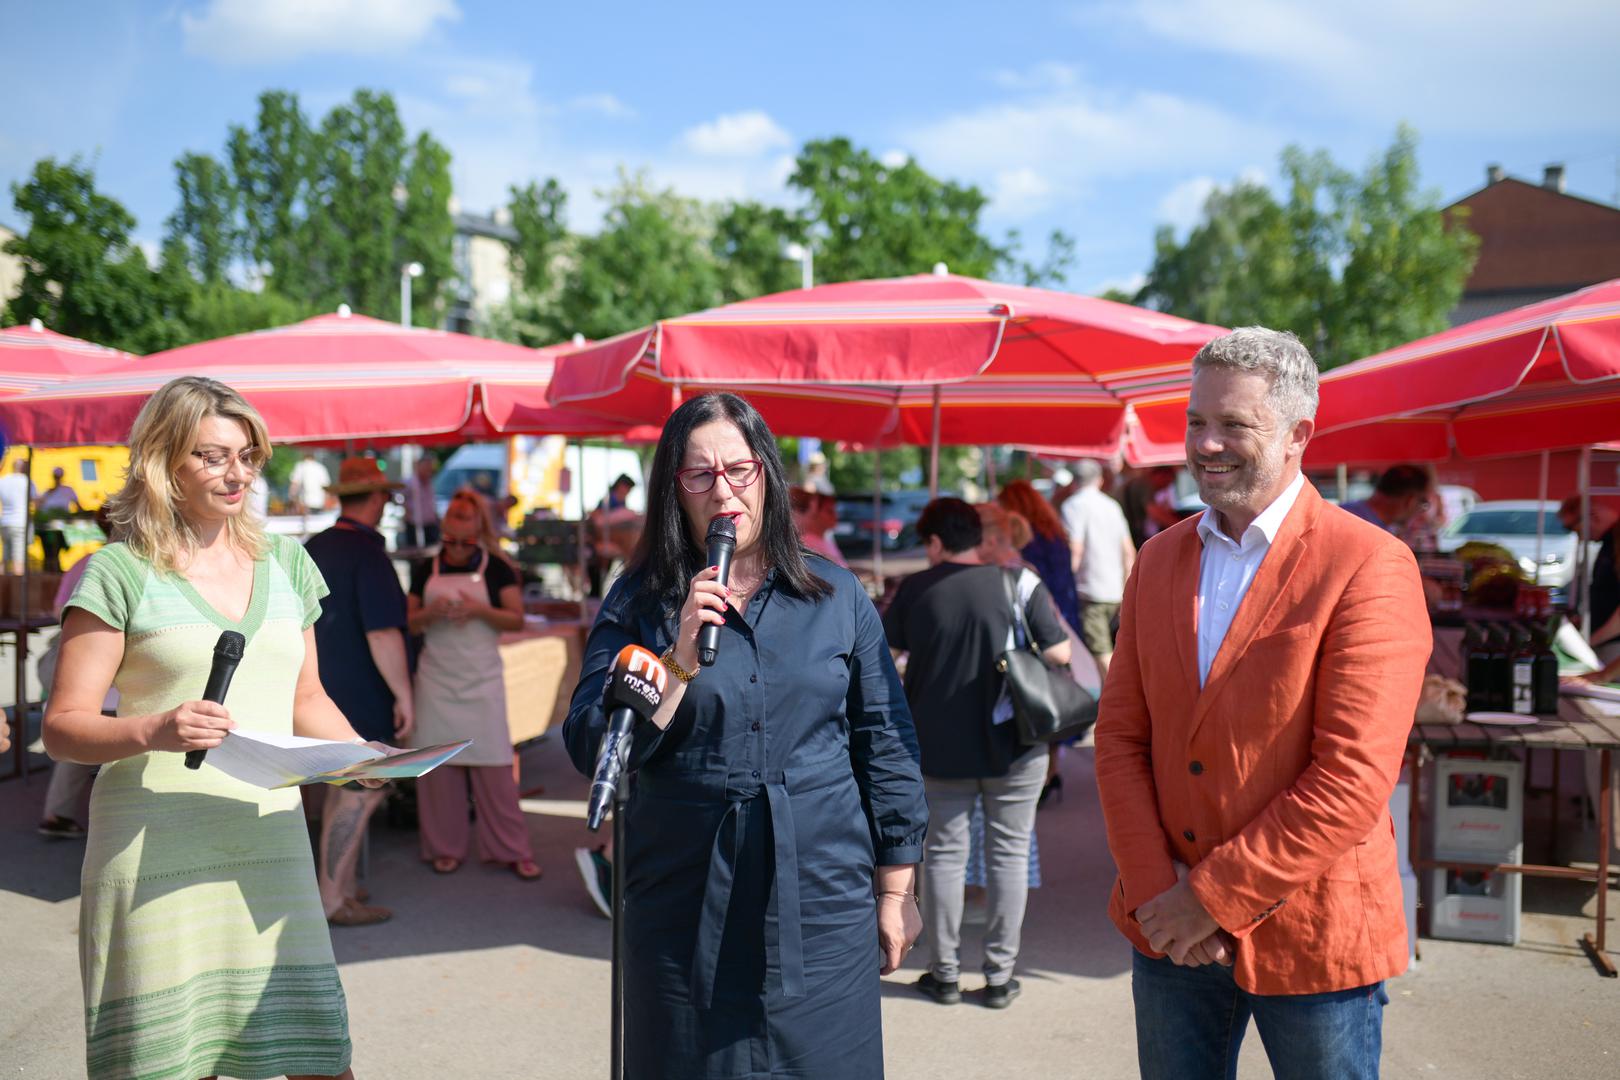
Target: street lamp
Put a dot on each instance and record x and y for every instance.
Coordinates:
(806, 259)
(406, 272)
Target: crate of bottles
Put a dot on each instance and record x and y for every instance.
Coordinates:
(1478, 809)
(1474, 905)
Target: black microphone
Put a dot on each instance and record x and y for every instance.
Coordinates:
(634, 688)
(227, 654)
(722, 542)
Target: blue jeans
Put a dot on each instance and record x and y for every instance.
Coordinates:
(1190, 1022)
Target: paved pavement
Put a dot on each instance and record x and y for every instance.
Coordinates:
(480, 974)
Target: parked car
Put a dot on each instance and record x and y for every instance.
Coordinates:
(895, 524)
(1511, 524)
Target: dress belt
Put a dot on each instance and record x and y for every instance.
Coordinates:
(740, 788)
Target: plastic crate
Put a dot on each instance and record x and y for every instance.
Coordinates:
(1478, 810)
(1467, 905)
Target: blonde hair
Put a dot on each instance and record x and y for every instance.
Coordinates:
(472, 503)
(149, 511)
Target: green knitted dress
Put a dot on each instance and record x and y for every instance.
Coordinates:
(202, 942)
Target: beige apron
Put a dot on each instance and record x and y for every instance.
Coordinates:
(460, 685)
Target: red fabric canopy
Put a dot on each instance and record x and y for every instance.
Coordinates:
(32, 356)
(332, 379)
(861, 362)
(1541, 377)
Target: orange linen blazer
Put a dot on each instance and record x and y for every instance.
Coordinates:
(1272, 782)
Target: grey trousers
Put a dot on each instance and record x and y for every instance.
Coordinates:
(1009, 816)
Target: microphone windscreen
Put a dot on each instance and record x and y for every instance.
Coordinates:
(722, 527)
(230, 645)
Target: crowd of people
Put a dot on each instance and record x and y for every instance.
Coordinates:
(816, 800)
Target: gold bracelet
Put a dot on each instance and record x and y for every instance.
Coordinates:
(668, 660)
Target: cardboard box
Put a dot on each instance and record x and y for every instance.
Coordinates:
(1478, 809)
(1467, 905)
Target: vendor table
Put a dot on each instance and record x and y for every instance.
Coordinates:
(542, 666)
(1581, 725)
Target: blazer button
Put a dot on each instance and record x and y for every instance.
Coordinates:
(1187, 835)
(753, 678)
(1196, 767)
(754, 726)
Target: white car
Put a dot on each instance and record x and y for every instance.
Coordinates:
(1511, 524)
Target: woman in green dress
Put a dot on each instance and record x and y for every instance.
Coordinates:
(203, 946)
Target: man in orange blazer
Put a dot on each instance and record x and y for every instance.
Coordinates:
(1252, 725)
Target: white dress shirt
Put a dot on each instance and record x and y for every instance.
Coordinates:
(1227, 568)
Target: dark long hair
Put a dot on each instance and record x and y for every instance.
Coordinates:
(667, 555)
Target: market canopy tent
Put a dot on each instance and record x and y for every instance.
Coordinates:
(32, 357)
(1541, 377)
(933, 357)
(331, 379)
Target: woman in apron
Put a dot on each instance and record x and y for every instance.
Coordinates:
(460, 602)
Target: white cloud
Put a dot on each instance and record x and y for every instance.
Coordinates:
(1030, 150)
(1045, 75)
(1473, 66)
(603, 104)
(894, 159)
(1130, 284)
(1183, 205)
(736, 135)
(267, 31)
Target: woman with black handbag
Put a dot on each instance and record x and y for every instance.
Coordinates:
(954, 621)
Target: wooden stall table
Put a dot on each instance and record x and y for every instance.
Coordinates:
(542, 665)
(1581, 725)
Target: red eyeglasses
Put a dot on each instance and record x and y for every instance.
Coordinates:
(739, 474)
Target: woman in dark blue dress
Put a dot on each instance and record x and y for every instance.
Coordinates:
(777, 815)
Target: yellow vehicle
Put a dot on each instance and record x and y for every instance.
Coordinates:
(93, 472)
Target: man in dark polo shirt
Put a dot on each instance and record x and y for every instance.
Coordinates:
(955, 620)
(361, 640)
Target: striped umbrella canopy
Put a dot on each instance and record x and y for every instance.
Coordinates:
(32, 357)
(331, 379)
(902, 360)
(1541, 377)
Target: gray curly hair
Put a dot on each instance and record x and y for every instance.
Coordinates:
(1278, 355)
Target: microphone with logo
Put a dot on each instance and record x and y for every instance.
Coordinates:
(634, 689)
(227, 654)
(722, 540)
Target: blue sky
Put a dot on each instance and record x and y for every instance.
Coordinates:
(1103, 119)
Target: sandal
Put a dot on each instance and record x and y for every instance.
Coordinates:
(355, 914)
(527, 869)
(446, 864)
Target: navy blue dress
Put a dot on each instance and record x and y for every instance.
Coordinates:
(788, 773)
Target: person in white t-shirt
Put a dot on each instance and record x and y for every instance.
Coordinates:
(306, 487)
(421, 505)
(15, 491)
(1101, 553)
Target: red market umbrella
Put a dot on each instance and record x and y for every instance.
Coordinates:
(32, 357)
(1541, 377)
(331, 379)
(904, 360)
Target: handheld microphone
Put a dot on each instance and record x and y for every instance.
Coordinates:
(722, 542)
(227, 654)
(634, 689)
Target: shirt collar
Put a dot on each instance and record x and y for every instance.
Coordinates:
(358, 526)
(1264, 527)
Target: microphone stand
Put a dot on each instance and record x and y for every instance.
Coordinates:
(621, 802)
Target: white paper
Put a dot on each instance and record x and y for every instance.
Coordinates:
(271, 761)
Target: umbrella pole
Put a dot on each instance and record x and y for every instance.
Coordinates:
(1344, 483)
(21, 655)
(1541, 525)
(990, 471)
(1583, 584)
(933, 451)
(877, 518)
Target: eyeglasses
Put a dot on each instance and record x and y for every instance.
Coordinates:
(739, 474)
(216, 462)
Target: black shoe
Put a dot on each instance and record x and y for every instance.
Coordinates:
(999, 997)
(597, 873)
(61, 828)
(946, 993)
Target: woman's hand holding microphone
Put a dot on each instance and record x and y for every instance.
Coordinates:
(192, 725)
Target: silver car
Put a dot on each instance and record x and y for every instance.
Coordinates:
(1511, 524)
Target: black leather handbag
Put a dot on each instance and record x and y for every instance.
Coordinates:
(1048, 705)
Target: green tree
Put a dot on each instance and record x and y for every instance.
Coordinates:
(539, 217)
(1351, 264)
(82, 274)
(205, 221)
(749, 245)
(872, 220)
(273, 164)
(427, 233)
